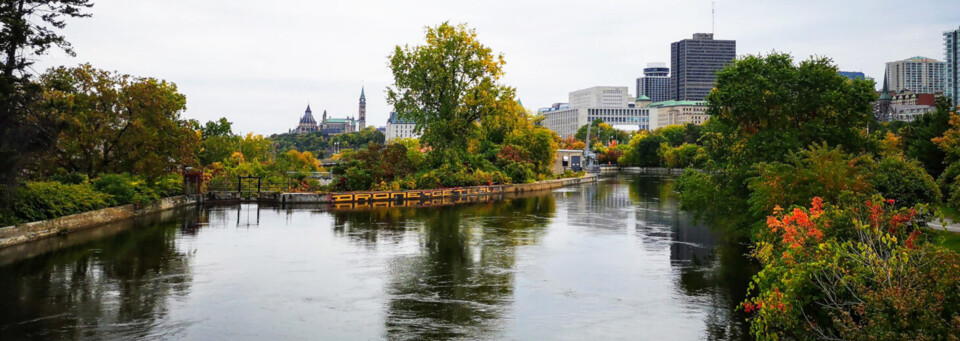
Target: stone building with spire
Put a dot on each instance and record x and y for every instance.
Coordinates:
(332, 126)
(307, 123)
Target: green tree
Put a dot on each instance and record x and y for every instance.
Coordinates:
(218, 141)
(29, 30)
(603, 133)
(115, 123)
(446, 87)
(643, 151)
(772, 106)
(918, 139)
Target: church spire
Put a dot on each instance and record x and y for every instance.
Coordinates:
(885, 93)
(362, 117)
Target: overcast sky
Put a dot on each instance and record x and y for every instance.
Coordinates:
(258, 62)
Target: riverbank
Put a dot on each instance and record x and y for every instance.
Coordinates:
(18, 234)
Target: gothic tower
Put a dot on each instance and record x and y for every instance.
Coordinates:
(882, 108)
(363, 109)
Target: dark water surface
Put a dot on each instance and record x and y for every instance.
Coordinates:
(615, 260)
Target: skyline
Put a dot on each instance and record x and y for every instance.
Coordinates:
(261, 76)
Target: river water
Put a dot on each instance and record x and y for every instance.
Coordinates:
(615, 260)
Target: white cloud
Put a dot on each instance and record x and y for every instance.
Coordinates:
(259, 62)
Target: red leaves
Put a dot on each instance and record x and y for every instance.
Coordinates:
(912, 238)
(797, 227)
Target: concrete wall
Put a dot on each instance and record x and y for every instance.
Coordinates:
(12, 235)
(386, 196)
(652, 170)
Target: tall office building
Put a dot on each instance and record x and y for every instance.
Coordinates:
(951, 47)
(655, 83)
(917, 74)
(695, 62)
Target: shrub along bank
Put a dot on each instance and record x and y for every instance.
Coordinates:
(42, 200)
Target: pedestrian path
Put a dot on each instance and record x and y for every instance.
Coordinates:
(951, 226)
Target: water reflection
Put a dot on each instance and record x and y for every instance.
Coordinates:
(114, 287)
(460, 281)
(615, 260)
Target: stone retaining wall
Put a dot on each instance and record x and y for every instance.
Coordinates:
(12, 235)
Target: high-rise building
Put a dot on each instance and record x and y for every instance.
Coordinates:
(917, 74)
(363, 110)
(694, 64)
(655, 83)
(951, 47)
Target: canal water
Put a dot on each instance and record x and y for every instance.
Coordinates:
(615, 260)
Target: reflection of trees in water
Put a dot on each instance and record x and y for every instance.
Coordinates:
(710, 268)
(460, 284)
(114, 288)
(367, 227)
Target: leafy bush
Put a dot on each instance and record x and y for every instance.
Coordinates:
(905, 181)
(168, 186)
(519, 172)
(47, 200)
(947, 180)
(125, 189)
(816, 171)
(71, 178)
(683, 156)
(642, 151)
(858, 270)
(697, 190)
(428, 181)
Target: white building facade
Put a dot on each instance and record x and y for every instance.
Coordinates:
(918, 74)
(909, 112)
(614, 105)
(678, 112)
(399, 129)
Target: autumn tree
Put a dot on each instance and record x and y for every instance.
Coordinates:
(446, 87)
(115, 123)
(29, 30)
(218, 141)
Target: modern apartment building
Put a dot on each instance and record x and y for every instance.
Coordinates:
(918, 74)
(655, 83)
(951, 48)
(613, 105)
(694, 64)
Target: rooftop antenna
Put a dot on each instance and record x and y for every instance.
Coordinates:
(713, 17)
